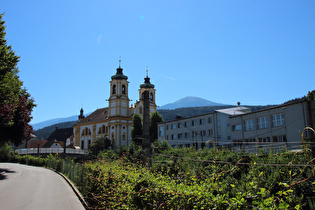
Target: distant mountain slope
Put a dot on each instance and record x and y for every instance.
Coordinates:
(45, 132)
(171, 114)
(167, 114)
(43, 124)
(190, 101)
(184, 102)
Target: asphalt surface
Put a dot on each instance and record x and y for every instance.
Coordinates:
(29, 187)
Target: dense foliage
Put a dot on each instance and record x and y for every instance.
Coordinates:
(16, 103)
(188, 179)
(205, 179)
(99, 144)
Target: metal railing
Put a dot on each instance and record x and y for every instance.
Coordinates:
(51, 151)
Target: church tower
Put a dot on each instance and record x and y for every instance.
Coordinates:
(139, 106)
(81, 116)
(119, 113)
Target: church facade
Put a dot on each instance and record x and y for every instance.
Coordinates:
(114, 121)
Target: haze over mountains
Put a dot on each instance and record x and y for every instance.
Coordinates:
(188, 101)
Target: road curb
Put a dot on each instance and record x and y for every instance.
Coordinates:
(75, 190)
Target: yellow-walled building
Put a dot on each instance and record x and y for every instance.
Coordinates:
(114, 121)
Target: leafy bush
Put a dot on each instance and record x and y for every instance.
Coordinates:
(205, 179)
(188, 179)
(6, 153)
(100, 144)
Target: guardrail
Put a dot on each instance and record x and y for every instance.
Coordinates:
(30, 151)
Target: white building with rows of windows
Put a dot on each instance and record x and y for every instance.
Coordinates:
(202, 130)
(239, 128)
(276, 127)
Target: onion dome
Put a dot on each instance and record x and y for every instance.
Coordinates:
(147, 83)
(119, 73)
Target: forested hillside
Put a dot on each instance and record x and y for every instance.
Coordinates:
(44, 133)
(167, 114)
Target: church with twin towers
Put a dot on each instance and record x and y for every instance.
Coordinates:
(114, 121)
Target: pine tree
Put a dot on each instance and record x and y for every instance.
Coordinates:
(16, 103)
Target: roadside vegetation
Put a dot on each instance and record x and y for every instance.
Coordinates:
(187, 179)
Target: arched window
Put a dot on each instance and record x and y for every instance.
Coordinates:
(86, 131)
(123, 89)
(103, 128)
(82, 144)
(99, 131)
(151, 96)
(114, 89)
(123, 136)
(140, 110)
(112, 136)
(82, 134)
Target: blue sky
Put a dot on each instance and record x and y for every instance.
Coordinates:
(255, 52)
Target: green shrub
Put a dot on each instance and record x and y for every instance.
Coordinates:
(6, 153)
(205, 179)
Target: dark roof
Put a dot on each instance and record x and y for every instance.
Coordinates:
(119, 74)
(60, 134)
(97, 115)
(35, 143)
(147, 83)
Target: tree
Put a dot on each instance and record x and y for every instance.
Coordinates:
(16, 103)
(99, 144)
(136, 129)
(155, 118)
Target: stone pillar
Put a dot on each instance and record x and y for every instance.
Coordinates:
(146, 142)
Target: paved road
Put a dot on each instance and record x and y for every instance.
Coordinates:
(29, 187)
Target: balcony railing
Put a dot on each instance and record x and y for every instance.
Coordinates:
(51, 151)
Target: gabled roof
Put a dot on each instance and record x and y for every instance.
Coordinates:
(97, 115)
(60, 134)
(51, 142)
(35, 143)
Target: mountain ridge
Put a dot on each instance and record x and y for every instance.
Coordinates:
(190, 101)
(167, 114)
(46, 123)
